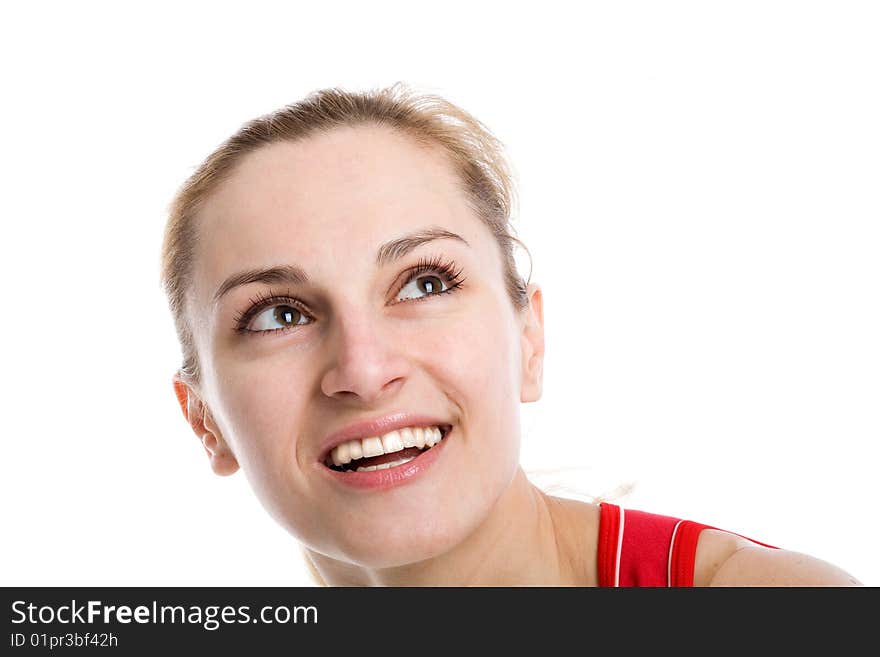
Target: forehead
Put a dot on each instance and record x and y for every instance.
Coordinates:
(334, 194)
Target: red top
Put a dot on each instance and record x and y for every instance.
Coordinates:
(645, 549)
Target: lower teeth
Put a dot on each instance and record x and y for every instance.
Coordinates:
(385, 466)
(382, 466)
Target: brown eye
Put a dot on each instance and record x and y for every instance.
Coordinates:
(286, 315)
(277, 317)
(429, 284)
(422, 286)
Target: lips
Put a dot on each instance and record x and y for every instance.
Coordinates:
(406, 443)
(376, 480)
(377, 427)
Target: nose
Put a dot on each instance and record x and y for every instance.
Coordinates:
(366, 364)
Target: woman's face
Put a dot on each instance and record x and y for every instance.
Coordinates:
(287, 363)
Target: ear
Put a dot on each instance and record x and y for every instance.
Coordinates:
(532, 343)
(197, 414)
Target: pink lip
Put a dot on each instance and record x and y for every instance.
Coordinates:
(390, 477)
(376, 427)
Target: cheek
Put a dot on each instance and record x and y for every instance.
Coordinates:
(474, 361)
(477, 354)
(261, 401)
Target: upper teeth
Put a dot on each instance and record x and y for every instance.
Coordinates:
(393, 441)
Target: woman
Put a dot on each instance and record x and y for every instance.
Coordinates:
(356, 338)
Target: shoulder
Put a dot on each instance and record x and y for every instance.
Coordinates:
(725, 559)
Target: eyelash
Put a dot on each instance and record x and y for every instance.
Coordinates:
(447, 271)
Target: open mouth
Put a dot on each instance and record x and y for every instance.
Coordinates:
(390, 450)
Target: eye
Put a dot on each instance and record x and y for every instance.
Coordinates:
(277, 318)
(422, 286)
(430, 278)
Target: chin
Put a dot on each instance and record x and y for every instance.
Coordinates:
(392, 545)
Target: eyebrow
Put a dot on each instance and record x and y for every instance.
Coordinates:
(388, 252)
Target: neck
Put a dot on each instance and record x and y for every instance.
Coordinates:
(528, 539)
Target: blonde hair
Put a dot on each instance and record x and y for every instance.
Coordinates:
(475, 153)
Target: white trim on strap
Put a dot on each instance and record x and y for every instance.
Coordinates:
(669, 559)
(619, 546)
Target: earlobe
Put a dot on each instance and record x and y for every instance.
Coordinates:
(222, 460)
(197, 414)
(533, 346)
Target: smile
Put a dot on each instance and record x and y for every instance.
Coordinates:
(390, 450)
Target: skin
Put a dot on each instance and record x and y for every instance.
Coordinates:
(366, 346)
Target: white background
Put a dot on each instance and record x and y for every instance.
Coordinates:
(698, 189)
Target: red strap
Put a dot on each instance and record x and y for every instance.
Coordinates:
(606, 556)
(644, 549)
(684, 552)
(644, 558)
